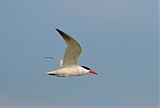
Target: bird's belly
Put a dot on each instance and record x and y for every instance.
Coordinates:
(65, 72)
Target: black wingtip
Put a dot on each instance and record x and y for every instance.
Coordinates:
(58, 30)
(63, 34)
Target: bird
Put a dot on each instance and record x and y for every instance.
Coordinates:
(69, 63)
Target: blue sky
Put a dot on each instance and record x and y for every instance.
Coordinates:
(119, 40)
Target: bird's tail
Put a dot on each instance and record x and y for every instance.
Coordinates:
(50, 73)
(46, 73)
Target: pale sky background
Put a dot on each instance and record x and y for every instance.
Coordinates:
(119, 40)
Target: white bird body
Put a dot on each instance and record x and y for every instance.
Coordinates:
(65, 72)
(69, 64)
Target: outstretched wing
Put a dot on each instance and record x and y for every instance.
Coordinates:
(60, 59)
(72, 52)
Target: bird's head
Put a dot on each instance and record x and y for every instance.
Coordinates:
(90, 71)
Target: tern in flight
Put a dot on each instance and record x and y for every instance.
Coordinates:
(69, 63)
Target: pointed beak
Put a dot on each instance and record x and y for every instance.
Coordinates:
(93, 72)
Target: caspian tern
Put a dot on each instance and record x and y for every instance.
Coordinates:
(69, 64)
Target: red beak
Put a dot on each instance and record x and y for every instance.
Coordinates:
(92, 72)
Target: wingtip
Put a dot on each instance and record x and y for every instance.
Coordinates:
(58, 30)
(63, 34)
